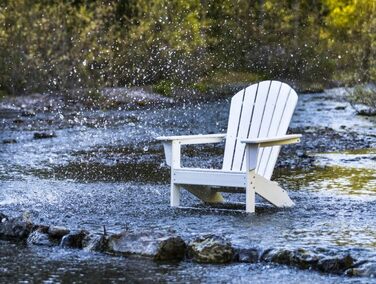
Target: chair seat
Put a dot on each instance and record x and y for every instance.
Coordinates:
(213, 177)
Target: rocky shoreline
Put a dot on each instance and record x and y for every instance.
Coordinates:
(168, 246)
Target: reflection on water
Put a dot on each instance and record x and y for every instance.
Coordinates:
(347, 173)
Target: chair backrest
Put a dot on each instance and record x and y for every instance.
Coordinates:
(258, 111)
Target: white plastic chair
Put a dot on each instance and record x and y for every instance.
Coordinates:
(259, 117)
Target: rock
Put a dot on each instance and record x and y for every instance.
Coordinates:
(300, 258)
(367, 112)
(340, 107)
(56, 232)
(250, 255)
(39, 238)
(44, 135)
(28, 113)
(97, 243)
(15, 229)
(210, 249)
(158, 245)
(9, 141)
(365, 269)
(74, 240)
(3, 217)
(335, 265)
(171, 248)
(18, 121)
(281, 256)
(41, 228)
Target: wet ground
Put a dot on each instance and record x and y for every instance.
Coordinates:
(105, 168)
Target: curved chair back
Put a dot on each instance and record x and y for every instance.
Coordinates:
(258, 111)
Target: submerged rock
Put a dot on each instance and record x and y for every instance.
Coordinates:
(335, 265)
(44, 135)
(367, 112)
(341, 107)
(9, 141)
(300, 258)
(171, 248)
(210, 249)
(3, 217)
(250, 255)
(305, 259)
(365, 269)
(18, 121)
(56, 232)
(74, 239)
(97, 243)
(15, 228)
(158, 245)
(27, 113)
(40, 238)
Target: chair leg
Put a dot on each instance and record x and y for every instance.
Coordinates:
(250, 194)
(175, 195)
(205, 194)
(272, 192)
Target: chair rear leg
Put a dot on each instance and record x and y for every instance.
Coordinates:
(272, 192)
(205, 194)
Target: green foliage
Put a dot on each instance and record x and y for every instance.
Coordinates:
(223, 77)
(164, 87)
(363, 95)
(201, 87)
(3, 94)
(351, 35)
(58, 45)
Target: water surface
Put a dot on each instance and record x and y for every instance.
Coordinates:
(105, 168)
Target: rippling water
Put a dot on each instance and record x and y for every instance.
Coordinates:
(105, 168)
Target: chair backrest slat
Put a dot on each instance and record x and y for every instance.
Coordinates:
(261, 110)
(250, 96)
(232, 132)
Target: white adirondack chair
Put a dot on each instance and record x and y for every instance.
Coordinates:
(257, 126)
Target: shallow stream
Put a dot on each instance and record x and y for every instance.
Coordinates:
(105, 168)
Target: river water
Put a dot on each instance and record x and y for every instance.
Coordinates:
(105, 168)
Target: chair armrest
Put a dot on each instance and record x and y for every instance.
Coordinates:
(273, 141)
(171, 145)
(194, 139)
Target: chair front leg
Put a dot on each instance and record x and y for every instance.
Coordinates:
(175, 164)
(250, 191)
(175, 195)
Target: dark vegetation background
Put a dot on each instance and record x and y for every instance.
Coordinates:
(55, 45)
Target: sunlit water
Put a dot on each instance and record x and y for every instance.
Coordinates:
(105, 168)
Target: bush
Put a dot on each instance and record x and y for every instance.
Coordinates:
(363, 95)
